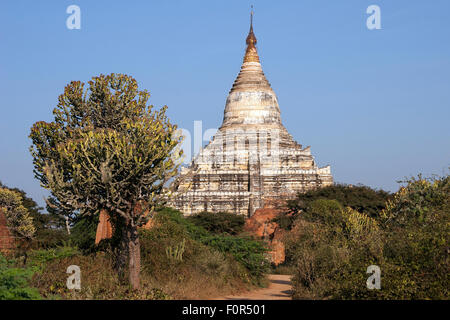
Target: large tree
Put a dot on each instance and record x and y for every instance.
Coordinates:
(107, 150)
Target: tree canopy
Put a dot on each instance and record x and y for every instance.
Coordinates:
(107, 150)
(18, 218)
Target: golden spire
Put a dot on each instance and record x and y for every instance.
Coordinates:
(251, 55)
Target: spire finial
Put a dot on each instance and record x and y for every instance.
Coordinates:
(251, 55)
(251, 18)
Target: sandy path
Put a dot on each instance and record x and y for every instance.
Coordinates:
(278, 289)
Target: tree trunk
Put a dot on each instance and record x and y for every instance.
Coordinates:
(134, 251)
(121, 254)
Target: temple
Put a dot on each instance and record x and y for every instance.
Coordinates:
(252, 162)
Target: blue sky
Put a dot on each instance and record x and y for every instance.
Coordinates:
(374, 104)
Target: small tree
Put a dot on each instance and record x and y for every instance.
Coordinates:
(18, 219)
(49, 226)
(107, 150)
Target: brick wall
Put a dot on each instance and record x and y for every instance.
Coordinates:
(6, 238)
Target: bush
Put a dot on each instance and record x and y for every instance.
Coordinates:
(208, 266)
(417, 225)
(173, 228)
(251, 253)
(14, 282)
(18, 218)
(50, 231)
(99, 281)
(39, 258)
(323, 211)
(219, 222)
(83, 233)
(332, 247)
(169, 217)
(360, 198)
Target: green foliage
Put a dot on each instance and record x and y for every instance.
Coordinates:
(107, 150)
(331, 247)
(201, 268)
(18, 218)
(248, 252)
(360, 198)
(219, 222)
(83, 232)
(251, 253)
(327, 244)
(171, 217)
(39, 258)
(415, 202)
(99, 279)
(323, 211)
(201, 271)
(50, 230)
(14, 282)
(417, 224)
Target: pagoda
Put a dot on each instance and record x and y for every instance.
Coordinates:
(252, 161)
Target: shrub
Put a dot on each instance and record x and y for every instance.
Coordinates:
(323, 211)
(360, 198)
(14, 282)
(171, 228)
(332, 248)
(417, 225)
(251, 253)
(19, 220)
(83, 233)
(169, 217)
(204, 270)
(99, 280)
(219, 222)
(39, 258)
(50, 230)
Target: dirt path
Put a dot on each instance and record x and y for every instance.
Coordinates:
(278, 289)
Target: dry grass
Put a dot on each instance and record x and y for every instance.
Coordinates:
(100, 282)
(196, 271)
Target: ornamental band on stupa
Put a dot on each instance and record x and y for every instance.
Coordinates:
(252, 161)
